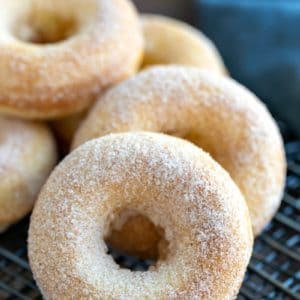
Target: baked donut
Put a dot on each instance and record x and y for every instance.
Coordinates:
(171, 181)
(56, 56)
(169, 41)
(215, 113)
(27, 155)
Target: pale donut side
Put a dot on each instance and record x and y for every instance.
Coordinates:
(215, 113)
(27, 155)
(170, 41)
(177, 185)
(43, 81)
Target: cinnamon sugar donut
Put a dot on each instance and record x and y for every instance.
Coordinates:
(27, 155)
(215, 113)
(56, 56)
(167, 41)
(178, 186)
(170, 41)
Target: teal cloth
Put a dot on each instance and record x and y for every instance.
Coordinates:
(260, 43)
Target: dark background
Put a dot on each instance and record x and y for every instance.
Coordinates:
(259, 41)
(181, 9)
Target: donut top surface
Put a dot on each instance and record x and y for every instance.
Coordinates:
(56, 56)
(170, 41)
(214, 112)
(178, 186)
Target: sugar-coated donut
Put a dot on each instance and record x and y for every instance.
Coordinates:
(171, 181)
(27, 155)
(215, 113)
(56, 56)
(169, 41)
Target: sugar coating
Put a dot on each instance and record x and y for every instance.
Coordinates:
(166, 41)
(176, 185)
(170, 41)
(215, 113)
(50, 80)
(27, 155)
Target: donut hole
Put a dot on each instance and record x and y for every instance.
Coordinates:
(135, 242)
(45, 27)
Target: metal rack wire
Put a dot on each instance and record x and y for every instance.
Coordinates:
(273, 272)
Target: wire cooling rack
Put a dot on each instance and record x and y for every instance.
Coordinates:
(273, 272)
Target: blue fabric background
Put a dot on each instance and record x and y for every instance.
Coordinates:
(260, 43)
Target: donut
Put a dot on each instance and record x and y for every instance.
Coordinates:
(175, 184)
(27, 155)
(57, 56)
(215, 113)
(169, 41)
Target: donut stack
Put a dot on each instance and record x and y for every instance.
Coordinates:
(178, 163)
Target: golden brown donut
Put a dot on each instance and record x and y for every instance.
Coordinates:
(169, 180)
(167, 41)
(170, 41)
(215, 113)
(56, 56)
(27, 155)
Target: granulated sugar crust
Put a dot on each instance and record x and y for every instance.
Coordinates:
(171, 181)
(170, 41)
(52, 80)
(215, 113)
(27, 155)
